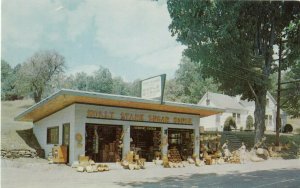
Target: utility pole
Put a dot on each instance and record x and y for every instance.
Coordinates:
(278, 119)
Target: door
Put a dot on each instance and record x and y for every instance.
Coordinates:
(66, 137)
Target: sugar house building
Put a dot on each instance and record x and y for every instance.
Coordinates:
(106, 127)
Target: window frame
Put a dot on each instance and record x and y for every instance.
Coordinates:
(48, 139)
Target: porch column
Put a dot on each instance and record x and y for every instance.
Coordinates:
(196, 141)
(126, 140)
(164, 141)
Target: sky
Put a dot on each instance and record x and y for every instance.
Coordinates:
(129, 37)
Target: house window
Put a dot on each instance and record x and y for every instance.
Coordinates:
(218, 118)
(267, 102)
(268, 120)
(237, 117)
(207, 102)
(52, 135)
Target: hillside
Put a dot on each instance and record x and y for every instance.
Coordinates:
(16, 135)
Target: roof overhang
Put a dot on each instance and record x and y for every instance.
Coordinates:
(65, 97)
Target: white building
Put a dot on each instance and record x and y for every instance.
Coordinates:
(106, 127)
(239, 110)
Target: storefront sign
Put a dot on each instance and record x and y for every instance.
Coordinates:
(138, 117)
(153, 88)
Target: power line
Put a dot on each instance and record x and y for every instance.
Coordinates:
(292, 81)
(260, 74)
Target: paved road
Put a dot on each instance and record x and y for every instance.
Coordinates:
(34, 173)
(266, 178)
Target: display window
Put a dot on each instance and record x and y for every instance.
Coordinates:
(146, 141)
(181, 140)
(103, 143)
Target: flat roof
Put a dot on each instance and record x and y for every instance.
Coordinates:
(66, 97)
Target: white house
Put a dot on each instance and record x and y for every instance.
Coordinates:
(239, 110)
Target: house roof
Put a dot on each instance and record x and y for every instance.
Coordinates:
(222, 101)
(229, 102)
(66, 97)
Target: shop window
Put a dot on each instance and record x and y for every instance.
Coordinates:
(52, 135)
(146, 141)
(181, 140)
(103, 142)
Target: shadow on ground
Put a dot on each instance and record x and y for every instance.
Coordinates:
(265, 178)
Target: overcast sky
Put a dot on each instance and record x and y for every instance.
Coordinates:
(130, 37)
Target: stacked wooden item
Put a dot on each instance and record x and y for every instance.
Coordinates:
(111, 151)
(87, 165)
(173, 160)
(133, 161)
(235, 157)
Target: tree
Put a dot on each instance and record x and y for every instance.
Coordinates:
(119, 86)
(174, 91)
(249, 122)
(234, 43)
(36, 73)
(291, 92)
(9, 90)
(135, 88)
(101, 81)
(81, 81)
(194, 84)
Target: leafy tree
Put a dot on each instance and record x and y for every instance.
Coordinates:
(101, 81)
(135, 88)
(189, 85)
(249, 122)
(194, 84)
(36, 73)
(9, 91)
(119, 86)
(234, 42)
(81, 81)
(174, 91)
(291, 92)
(229, 124)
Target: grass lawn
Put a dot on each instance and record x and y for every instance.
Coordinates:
(291, 140)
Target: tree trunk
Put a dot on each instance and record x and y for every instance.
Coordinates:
(259, 115)
(37, 95)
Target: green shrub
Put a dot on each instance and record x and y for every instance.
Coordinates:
(288, 128)
(249, 122)
(229, 124)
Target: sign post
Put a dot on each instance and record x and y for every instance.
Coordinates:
(153, 87)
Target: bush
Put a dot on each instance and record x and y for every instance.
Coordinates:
(249, 122)
(229, 123)
(241, 128)
(288, 128)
